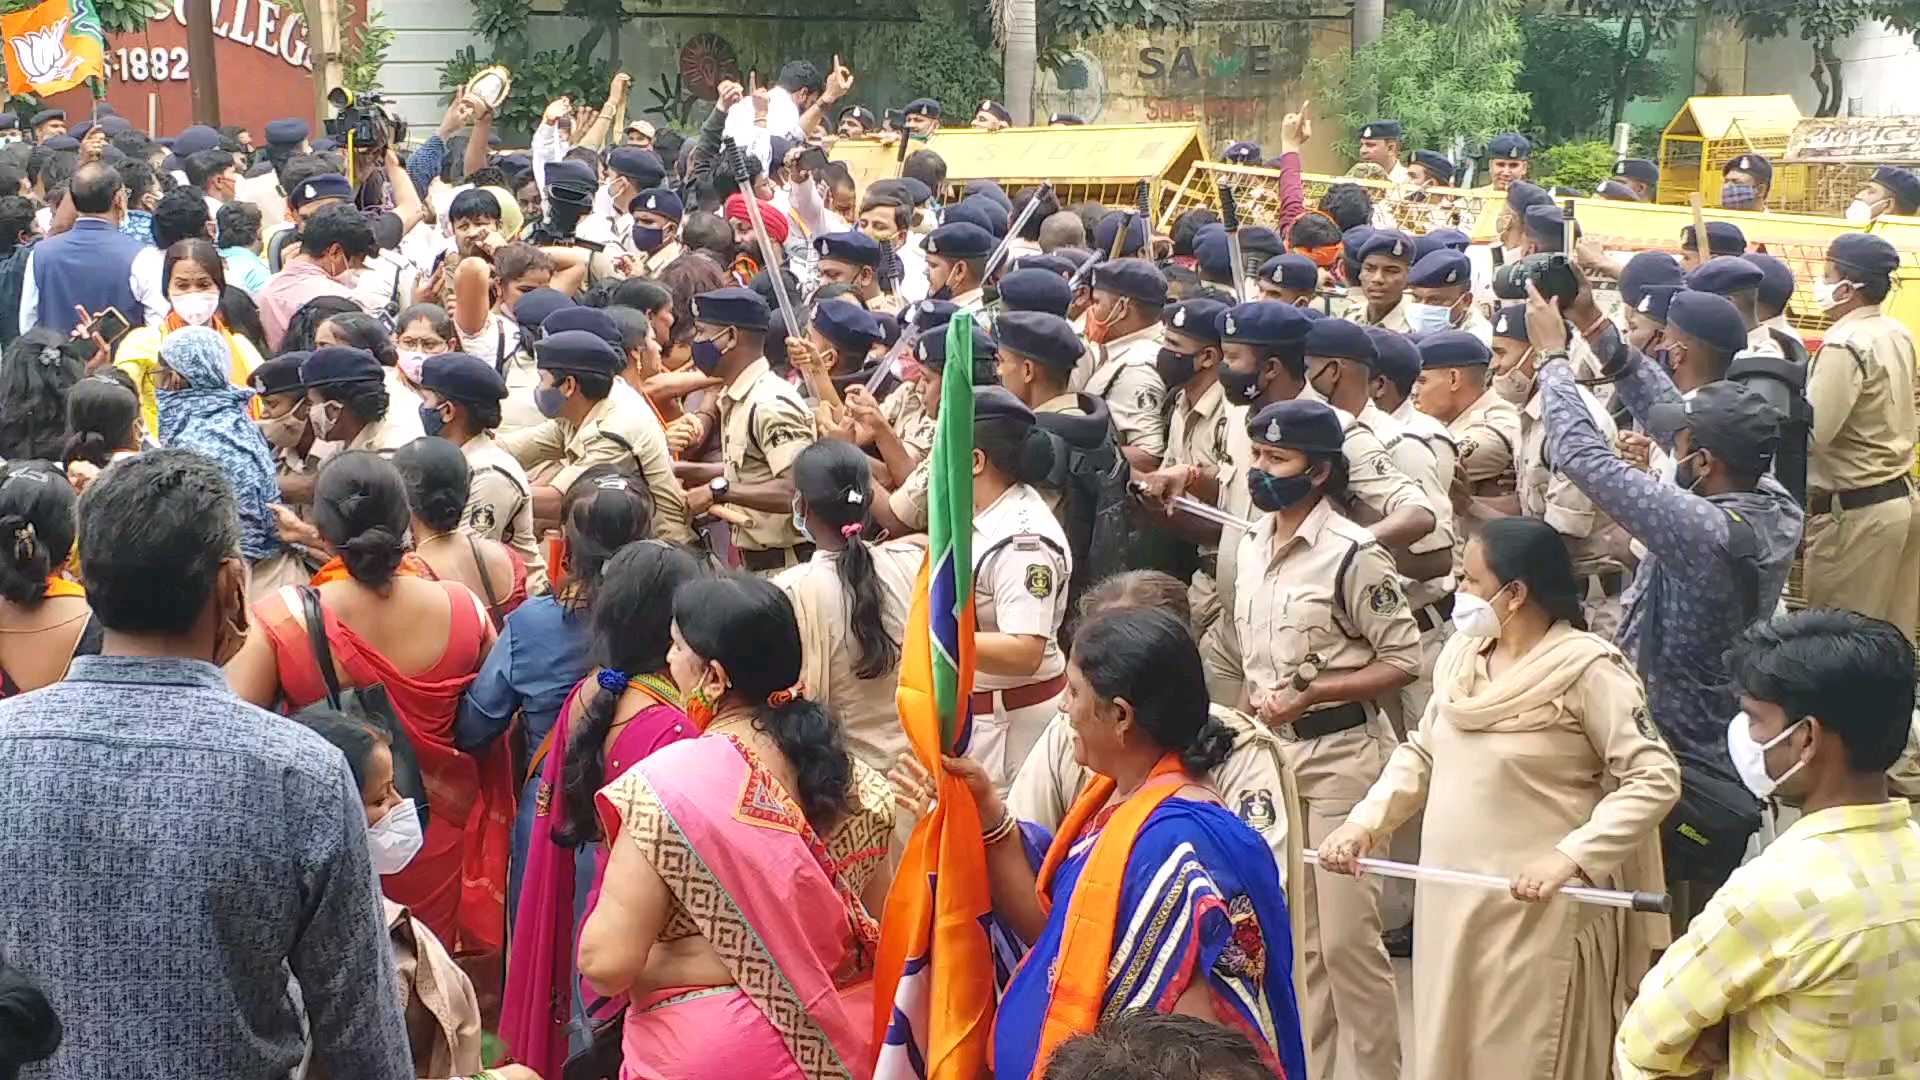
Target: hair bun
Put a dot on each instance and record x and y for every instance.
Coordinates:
(373, 555)
(1210, 746)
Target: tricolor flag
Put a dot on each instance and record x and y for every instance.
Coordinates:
(53, 46)
(934, 979)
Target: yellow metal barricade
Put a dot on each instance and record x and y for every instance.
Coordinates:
(1708, 132)
(1256, 192)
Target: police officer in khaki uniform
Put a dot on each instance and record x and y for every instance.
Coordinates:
(656, 231)
(957, 262)
(1325, 629)
(1440, 294)
(593, 417)
(763, 426)
(1863, 520)
(460, 399)
(1455, 388)
(1384, 258)
(1123, 326)
(907, 504)
(1197, 421)
(1021, 567)
(284, 423)
(348, 403)
(1289, 279)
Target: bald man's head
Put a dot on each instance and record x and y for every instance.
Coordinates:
(95, 186)
(1063, 229)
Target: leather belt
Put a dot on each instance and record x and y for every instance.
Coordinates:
(774, 558)
(1019, 697)
(1828, 502)
(1330, 721)
(1434, 614)
(1612, 582)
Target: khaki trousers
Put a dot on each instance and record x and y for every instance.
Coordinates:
(1867, 560)
(1350, 1010)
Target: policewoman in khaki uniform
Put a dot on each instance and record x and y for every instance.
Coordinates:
(763, 426)
(1863, 520)
(1325, 629)
(1021, 566)
(593, 418)
(460, 398)
(1123, 326)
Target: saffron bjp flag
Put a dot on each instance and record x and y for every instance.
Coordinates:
(53, 46)
(934, 977)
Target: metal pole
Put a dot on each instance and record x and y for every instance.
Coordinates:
(320, 20)
(203, 77)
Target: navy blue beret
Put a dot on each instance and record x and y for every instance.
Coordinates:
(849, 326)
(928, 314)
(1436, 165)
(1381, 129)
(1724, 274)
(280, 375)
(960, 240)
(1904, 185)
(9, 122)
(854, 248)
(987, 189)
(1438, 269)
(1065, 118)
(1135, 279)
(1648, 268)
(918, 193)
(1637, 169)
(1512, 146)
(1033, 289)
(114, 125)
(979, 210)
(1723, 238)
(578, 351)
(1042, 336)
(462, 377)
(1340, 338)
(998, 403)
(1776, 280)
(1243, 152)
(1395, 354)
(931, 350)
(923, 107)
(337, 364)
(859, 114)
(1712, 319)
(1109, 227)
(593, 320)
(1510, 322)
(1757, 166)
(1389, 242)
(79, 130)
(195, 139)
(1454, 348)
(1196, 318)
(1300, 424)
(1864, 253)
(291, 131)
(324, 143)
(62, 142)
(315, 188)
(1615, 190)
(47, 115)
(637, 164)
(1545, 225)
(1053, 264)
(1655, 300)
(1439, 239)
(1213, 254)
(659, 200)
(571, 173)
(1261, 238)
(732, 307)
(1353, 240)
(1291, 272)
(1522, 196)
(1265, 322)
(535, 305)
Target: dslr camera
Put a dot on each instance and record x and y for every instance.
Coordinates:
(365, 118)
(1550, 272)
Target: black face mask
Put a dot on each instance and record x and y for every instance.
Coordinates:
(1241, 387)
(1175, 367)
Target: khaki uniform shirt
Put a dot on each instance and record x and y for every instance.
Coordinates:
(1197, 429)
(500, 504)
(619, 430)
(1329, 593)
(389, 433)
(1373, 480)
(1417, 462)
(651, 265)
(909, 501)
(1477, 324)
(1488, 437)
(906, 414)
(1130, 385)
(763, 426)
(1863, 406)
(1396, 319)
(1021, 565)
(1547, 494)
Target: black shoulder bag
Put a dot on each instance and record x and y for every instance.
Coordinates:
(369, 703)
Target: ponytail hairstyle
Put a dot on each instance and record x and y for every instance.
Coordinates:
(360, 507)
(835, 485)
(1530, 551)
(746, 625)
(29, 1028)
(606, 510)
(632, 630)
(1149, 658)
(37, 527)
(101, 417)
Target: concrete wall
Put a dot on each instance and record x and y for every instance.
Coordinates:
(1878, 69)
(425, 34)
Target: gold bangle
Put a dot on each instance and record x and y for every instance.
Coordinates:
(1001, 831)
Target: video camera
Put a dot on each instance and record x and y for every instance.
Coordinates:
(1551, 272)
(364, 118)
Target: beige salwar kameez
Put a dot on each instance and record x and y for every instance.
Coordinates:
(1557, 753)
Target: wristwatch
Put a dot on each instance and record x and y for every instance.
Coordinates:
(718, 488)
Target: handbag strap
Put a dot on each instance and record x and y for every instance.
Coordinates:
(480, 564)
(317, 637)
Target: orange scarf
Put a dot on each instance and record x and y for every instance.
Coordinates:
(1086, 944)
(336, 570)
(59, 586)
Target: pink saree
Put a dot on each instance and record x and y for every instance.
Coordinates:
(538, 1010)
(751, 877)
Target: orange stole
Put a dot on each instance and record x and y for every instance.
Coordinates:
(1086, 943)
(59, 586)
(336, 570)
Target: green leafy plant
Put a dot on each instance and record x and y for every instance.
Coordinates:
(1562, 59)
(942, 60)
(363, 53)
(502, 22)
(1083, 18)
(1437, 86)
(1579, 165)
(537, 80)
(1639, 26)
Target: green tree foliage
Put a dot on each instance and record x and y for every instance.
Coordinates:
(1436, 85)
(1639, 25)
(941, 58)
(1579, 165)
(1822, 24)
(1563, 58)
(1064, 23)
(537, 80)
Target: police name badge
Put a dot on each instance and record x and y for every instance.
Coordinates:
(1256, 809)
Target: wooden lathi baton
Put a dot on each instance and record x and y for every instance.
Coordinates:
(1653, 903)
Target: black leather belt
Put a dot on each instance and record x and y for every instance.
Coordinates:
(1612, 582)
(1330, 721)
(1434, 614)
(1822, 502)
(774, 558)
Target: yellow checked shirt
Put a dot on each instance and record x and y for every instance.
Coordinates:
(1811, 953)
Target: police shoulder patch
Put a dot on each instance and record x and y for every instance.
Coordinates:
(1385, 598)
(482, 519)
(1040, 581)
(1256, 808)
(1643, 719)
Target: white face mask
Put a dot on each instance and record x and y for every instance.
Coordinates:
(394, 840)
(196, 308)
(1427, 318)
(1475, 617)
(1515, 387)
(324, 417)
(1826, 294)
(1750, 758)
(1860, 211)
